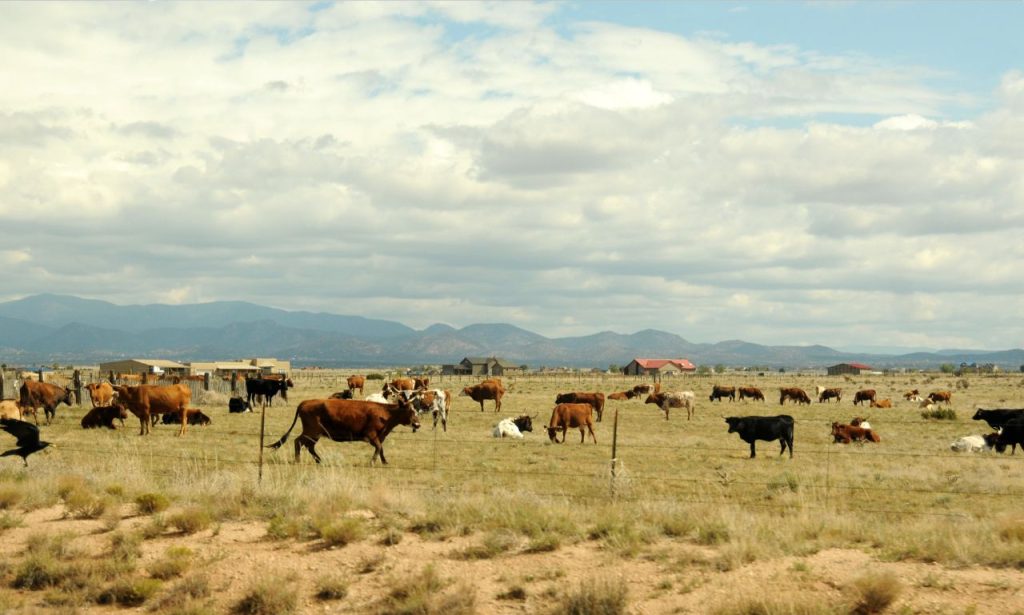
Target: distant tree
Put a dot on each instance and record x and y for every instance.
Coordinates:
(719, 368)
(947, 368)
(703, 370)
(613, 368)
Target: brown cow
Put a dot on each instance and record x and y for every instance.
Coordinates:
(421, 383)
(751, 392)
(565, 416)
(396, 385)
(356, 382)
(796, 394)
(934, 396)
(849, 433)
(912, 395)
(827, 394)
(622, 395)
(488, 389)
(349, 420)
(719, 392)
(146, 401)
(103, 416)
(9, 409)
(44, 394)
(596, 401)
(863, 395)
(883, 403)
(100, 393)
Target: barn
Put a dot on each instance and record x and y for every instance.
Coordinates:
(853, 369)
(144, 366)
(658, 367)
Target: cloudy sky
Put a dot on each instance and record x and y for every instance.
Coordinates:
(843, 173)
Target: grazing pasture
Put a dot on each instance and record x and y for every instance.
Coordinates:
(505, 525)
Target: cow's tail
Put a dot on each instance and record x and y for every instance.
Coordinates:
(284, 438)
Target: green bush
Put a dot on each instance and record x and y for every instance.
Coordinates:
(150, 503)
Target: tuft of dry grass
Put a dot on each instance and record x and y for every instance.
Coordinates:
(492, 545)
(190, 520)
(331, 587)
(874, 592)
(340, 532)
(129, 592)
(150, 503)
(174, 563)
(269, 596)
(10, 496)
(594, 597)
(423, 594)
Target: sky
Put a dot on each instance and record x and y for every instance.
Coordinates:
(840, 173)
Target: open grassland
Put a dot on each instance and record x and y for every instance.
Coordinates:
(460, 522)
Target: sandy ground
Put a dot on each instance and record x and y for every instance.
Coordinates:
(670, 576)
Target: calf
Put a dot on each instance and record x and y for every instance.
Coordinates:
(103, 416)
(237, 404)
(1012, 434)
(752, 428)
(346, 394)
(513, 427)
(195, 417)
(863, 395)
(596, 400)
(565, 416)
(851, 433)
(999, 417)
(974, 444)
(681, 399)
(884, 403)
(719, 392)
(793, 393)
(827, 394)
(752, 393)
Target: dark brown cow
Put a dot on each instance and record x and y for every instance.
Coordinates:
(356, 382)
(796, 394)
(103, 416)
(487, 389)
(863, 395)
(421, 383)
(349, 420)
(195, 417)
(827, 394)
(751, 392)
(849, 433)
(719, 392)
(565, 416)
(100, 393)
(146, 401)
(49, 396)
(936, 397)
(596, 401)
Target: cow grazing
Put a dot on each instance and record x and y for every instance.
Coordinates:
(565, 416)
(35, 394)
(827, 394)
(103, 416)
(346, 394)
(753, 428)
(863, 395)
(100, 393)
(485, 390)
(974, 444)
(682, 399)
(146, 401)
(356, 382)
(941, 397)
(881, 403)
(998, 418)
(719, 392)
(795, 394)
(851, 433)
(751, 393)
(195, 417)
(349, 420)
(1011, 435)
(266, 388)
(513, 427)
(596, 400)
(9, 409)
(237, 405)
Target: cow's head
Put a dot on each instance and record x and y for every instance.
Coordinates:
(407, 413)
(837, 428)
(466, 392)
(979, 415)
(652, 399)
(524, 422)
(552, 431)
(565, 398)
(69, 396)
(734, 422)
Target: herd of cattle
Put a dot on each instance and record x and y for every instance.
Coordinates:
(342, 417)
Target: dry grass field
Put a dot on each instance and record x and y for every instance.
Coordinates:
(459, 522)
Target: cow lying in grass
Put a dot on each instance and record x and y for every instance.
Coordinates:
(846, 434)
(513, 427)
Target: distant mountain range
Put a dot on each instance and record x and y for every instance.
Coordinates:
(71, 330)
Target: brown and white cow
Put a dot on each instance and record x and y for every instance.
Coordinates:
(147, 401)
(356, 381)
(913, 395)
(34, 394)
(680, 399)
(795, 394)
(565, 416)
(349, 420)
(848, 433)
(488, 389)
(596, 401)
(863, 395)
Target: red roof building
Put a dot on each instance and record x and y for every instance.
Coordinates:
(642, 367)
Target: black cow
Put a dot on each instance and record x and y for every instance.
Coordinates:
(195, 417)
(266, 387)
(1011, 435)
(998, 417)
(524, 423)
(769, 428)
(237, 404)
(346, 394)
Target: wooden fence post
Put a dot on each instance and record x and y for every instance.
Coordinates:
(234, 382)
(206, 381)
(3, 390)
(615, 446)
(76, 382)
(40, 372)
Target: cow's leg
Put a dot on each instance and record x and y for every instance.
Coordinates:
(481, 405)
(184, 420)
(753, 453)
(298, 447)
(591, 429)
(143, 423)
(378, 449)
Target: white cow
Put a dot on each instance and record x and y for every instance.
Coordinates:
(513, 427)
(974, 444)
(436, 401)
(679, 399)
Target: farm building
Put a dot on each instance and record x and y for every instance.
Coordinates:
(243, 367)
(144, 366)
(482, 366)
(848, 368)
(658, 367)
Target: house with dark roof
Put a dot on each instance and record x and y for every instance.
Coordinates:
(842, 369)
(482, 366)
(658, 367)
